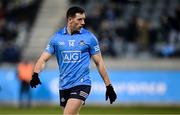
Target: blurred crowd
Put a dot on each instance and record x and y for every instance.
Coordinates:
(16, 19)
(135, 28)
(125, 28)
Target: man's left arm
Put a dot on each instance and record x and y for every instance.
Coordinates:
(110, 93)
(98, 60)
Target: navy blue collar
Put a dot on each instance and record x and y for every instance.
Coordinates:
(77, 32)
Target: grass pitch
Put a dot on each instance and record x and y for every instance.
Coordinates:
(93, 110)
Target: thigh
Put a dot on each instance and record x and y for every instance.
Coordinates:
(73, 106)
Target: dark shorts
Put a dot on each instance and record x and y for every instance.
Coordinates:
(79, 92)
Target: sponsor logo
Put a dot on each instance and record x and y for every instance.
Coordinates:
(71, 56)
(96, 48)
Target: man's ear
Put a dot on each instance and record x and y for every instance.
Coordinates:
(69, 19)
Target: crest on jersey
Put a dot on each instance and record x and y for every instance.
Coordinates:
(81, 42)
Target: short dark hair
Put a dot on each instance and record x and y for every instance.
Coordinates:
(73, 10)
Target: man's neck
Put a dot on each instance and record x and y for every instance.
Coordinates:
(70, 31)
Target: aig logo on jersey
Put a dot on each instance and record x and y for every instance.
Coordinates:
(71, 56)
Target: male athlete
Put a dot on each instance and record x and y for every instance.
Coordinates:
(74, 46)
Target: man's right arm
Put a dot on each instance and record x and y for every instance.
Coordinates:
(40, 64)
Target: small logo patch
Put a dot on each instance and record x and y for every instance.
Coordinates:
(81, 42)
(82, 80)
(96, 48)
(83, 94)
(62, 100)
(73, 93)
(61, 43)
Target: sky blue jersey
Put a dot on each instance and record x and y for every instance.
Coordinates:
(73, 53)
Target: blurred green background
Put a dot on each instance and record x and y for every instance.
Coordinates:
(109, 110)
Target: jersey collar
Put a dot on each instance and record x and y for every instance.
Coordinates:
(65, 30)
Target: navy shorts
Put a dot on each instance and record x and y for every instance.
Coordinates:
(79, 92)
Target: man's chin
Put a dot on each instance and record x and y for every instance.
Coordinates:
(80, 28)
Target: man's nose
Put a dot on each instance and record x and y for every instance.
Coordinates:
(82, 22)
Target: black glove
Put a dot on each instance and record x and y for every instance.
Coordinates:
(110, 93)
(35, 80)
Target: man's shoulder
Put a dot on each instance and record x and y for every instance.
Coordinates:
(60, 31)
(85, 30)
(56, 35)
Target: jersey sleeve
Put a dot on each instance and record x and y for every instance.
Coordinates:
(94, 45)
(50, 48)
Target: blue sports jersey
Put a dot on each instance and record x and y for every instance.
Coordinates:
(73, 53)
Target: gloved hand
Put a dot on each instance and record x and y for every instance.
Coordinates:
(110, 93)
(35, 80)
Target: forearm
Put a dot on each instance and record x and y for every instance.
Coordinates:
(103, 73)
(39, 66)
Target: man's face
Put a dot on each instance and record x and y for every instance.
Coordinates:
(76, 22)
